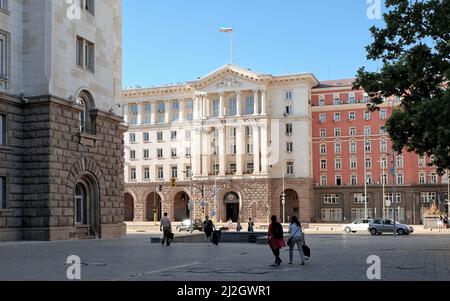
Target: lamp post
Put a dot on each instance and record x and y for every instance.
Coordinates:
(448, 192)
(383, 174)
(394, 196)
(283, 194)
(365, 177)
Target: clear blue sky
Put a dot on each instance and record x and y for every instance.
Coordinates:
(170, 41)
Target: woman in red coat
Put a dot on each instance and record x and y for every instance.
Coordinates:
(276, 240)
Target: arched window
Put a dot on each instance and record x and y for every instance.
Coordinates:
(86, 120)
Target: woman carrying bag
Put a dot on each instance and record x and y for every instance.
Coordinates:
(296, 238)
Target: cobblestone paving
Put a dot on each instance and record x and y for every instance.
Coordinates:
(334, 258)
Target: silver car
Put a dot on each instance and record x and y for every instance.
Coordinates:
(358, 225)
(381, 225)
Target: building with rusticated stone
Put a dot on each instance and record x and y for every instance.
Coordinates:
(61, 142)
(227, 143)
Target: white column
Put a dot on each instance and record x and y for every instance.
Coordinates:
(256, 102)
(207, 107)
(139, 113)
(264, 102)
(168, 107)
(264, 150)
(125, 113)
(222, 151)
(155, 107)
(240, 150)
(221, 105)
(256, 159)
(238, 103)
(182, 109)
(206, 143)
(196, 112)
(196, 153)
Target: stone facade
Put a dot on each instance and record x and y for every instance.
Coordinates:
(46, 157)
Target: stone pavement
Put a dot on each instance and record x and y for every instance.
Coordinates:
(334, 257)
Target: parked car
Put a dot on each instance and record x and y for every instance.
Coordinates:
(187, 226)
(380, 225)
(358, 225)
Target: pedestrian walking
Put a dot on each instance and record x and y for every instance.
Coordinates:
(445, 221)
(238, 226)
(250, 225)
(166, 227)
(440, 223)
(276, 241)
(208, 227)
(297, 237)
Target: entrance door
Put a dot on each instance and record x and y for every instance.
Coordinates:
(233, 212)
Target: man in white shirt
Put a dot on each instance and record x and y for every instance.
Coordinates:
(166, 227)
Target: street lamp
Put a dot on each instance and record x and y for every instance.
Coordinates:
(448, 192)
(383, 198)
(283, 194)
(365, 176)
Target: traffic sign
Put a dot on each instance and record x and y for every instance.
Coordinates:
(203, 203)
(213, 213)
(392, 170)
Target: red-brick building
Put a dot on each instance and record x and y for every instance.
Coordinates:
(350, 144)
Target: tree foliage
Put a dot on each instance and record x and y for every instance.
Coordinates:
(415, 53)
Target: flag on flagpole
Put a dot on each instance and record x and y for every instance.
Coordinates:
(226, 29)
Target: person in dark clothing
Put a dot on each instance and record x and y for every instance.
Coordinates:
(276, 240)
(250, 225)
(208, 227)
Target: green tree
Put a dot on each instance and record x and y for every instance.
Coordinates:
(415, 54)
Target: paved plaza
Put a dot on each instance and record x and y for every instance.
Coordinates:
(334, 257)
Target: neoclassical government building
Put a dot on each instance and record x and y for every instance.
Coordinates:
(227, 143)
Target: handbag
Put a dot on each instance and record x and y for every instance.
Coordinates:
(306, 251)
(291, 239)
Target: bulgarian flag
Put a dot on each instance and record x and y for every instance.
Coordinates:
(226, 29)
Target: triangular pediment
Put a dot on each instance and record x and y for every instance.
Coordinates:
(228, 78)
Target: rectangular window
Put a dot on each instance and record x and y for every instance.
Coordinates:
(175, 112)
(331, 199)
(232, 149)
(88, 5)
(188, 152)
(249, 149)
(2, 130)
(289, 147)
(289, 129)
(360, 213)
(351, 98)
(288, 95)
(389, 200)
(146, 173)
(338, 180)
(250, 168)
(132, 155)
(232, 168)
(428, 197)
(189, 110)
(187, 135)
(336, 99)
(173, 135)
(337, 117)
(249, 105)
(160, 172)
(383, 146)
(3, 60)
(322, 117)
(352, 131)
(400, 178)
(3, 193)
(382, 129)
(351, 116)
(134, 114)
(323, 180)
(367, 130)
(384, 179)
(290, 168)
(421, 161)
(159, 153)
(368, 162)
(323, 149)
(337, 148)
(188, 171)
(433, 178)
(248, 132)
(354, 180)
(215, 108)
(352, 147)
(85, 54)
(232, 107)
(323, 164)
(289, 110)
(422, 178)
(147, 113)
(383, 163)
(133, 174)
(174, 172)
(146, 136)
(146, 154)
(337, 163)
(400, 161)
(321, 100)
(332, 215)
(369, 180)
(366, 115)
(159, 136)
(323, 133)
(337, 132)
(368, 146)
(358, 198)
(353, 163)
(215, 169)
(383, 114)
(4, 4)
(173, 152)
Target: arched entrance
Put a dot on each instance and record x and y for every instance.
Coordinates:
(231, 201)
(291, 205)
(153, 202)
(86, 205)
(181, 206)
(129, 207)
